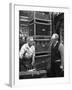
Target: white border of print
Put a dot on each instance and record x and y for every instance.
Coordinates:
(14, 44)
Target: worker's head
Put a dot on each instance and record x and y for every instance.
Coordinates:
(30, 41)
(54, 38)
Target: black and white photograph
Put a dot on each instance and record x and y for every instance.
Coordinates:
(41, 44)
(36, 44)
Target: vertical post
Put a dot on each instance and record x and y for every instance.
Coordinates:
(50, 24)
(34, 26)
(53, 26)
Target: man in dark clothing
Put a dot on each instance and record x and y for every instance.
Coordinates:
(57, 57)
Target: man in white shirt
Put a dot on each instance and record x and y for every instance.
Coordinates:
(27, 52)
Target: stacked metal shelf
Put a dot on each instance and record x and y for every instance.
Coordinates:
(39, 25)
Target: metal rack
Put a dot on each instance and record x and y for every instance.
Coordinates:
(41, 29)
(39, 21)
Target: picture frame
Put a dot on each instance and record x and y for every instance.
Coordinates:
(14, 45)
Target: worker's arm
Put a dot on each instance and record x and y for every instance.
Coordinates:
(22, 51)
(61, 49)
(33, 56)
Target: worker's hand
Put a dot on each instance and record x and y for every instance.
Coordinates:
(32, 62)
(62, 67)
(21, 56)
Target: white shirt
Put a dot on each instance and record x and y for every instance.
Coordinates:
(29, 51)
